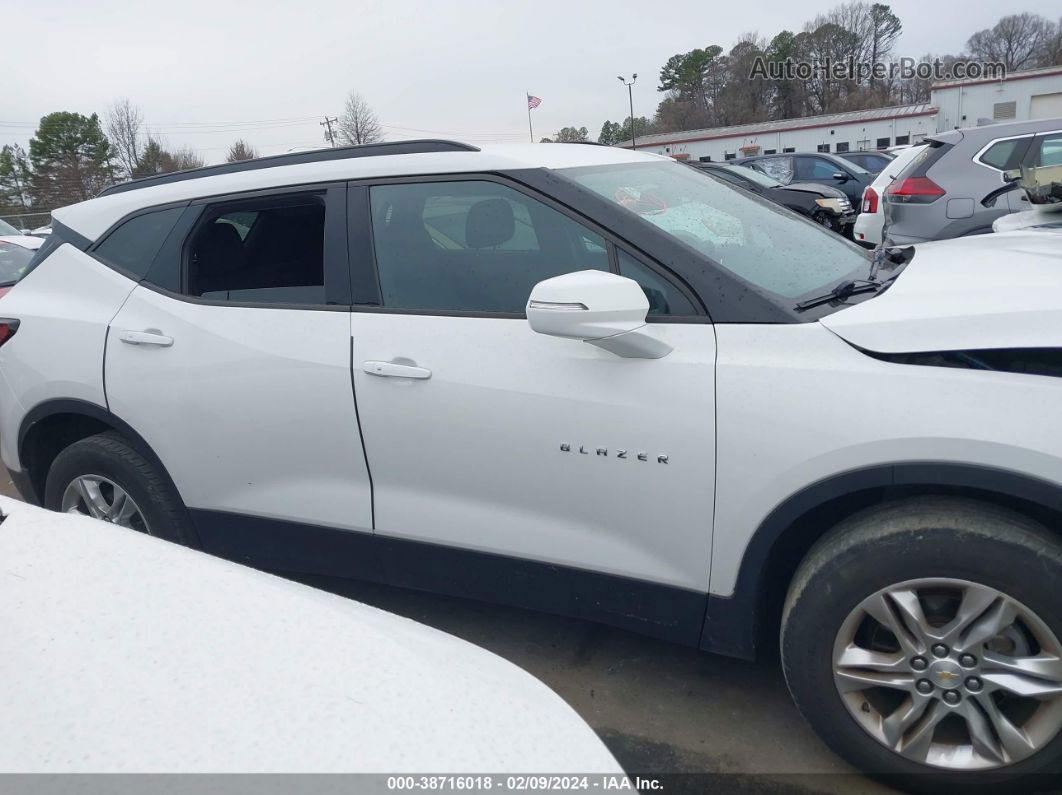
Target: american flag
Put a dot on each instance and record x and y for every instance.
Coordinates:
(533, 102)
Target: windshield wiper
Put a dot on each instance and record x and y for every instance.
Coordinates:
(842, 292)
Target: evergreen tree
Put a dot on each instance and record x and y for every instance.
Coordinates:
(71, 159)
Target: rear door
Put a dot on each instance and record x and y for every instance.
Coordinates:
(232, 359)
(483, 435)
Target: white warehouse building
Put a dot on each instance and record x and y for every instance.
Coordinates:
(1035, 94)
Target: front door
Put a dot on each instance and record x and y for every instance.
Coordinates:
(483, 435)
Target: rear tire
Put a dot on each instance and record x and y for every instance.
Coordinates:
(109, 459)
(957, 569)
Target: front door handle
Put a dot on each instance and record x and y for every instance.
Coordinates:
(145, 338)
(392, 370)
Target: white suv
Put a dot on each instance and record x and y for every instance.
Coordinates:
(373, 363)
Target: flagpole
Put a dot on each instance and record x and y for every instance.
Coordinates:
(530, 129)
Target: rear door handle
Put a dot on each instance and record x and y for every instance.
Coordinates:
(145, 338)
(392, 370)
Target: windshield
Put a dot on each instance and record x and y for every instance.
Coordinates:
(752, 175)
(7, 229)
(761, 242)
(13, 262)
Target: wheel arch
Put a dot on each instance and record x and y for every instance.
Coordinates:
(53, 425)
(746, 623)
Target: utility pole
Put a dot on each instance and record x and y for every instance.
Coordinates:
(630, 98)
(327, 123)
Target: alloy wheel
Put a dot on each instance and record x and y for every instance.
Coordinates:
(102, 498)
(951, 674)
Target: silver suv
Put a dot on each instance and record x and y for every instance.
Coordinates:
(952, 188)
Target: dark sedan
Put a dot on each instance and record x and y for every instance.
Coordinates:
(822, 203)
(822, 168)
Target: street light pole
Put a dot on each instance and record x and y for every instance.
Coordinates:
(630, 98)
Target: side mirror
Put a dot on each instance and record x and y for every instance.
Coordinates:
(600, 308)
(840, 176)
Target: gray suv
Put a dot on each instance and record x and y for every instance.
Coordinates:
(952, 189)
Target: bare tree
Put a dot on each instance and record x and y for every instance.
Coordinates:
(358, 124)
(124, 129)
(241, 150)
(183, 159)
(1017, 41)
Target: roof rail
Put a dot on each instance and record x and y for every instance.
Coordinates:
(292, 159)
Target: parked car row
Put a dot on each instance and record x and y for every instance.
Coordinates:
(826, 169)
(821, 203)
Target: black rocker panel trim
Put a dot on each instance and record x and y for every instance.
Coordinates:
(732, 624)
(661, 611)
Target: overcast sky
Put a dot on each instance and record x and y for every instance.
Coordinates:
(207, 72)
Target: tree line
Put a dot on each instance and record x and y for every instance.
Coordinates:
(72, 157)
(710, 87)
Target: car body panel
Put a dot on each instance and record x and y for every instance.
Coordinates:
(127, 654)
(963, 175)
(798, 405)
(965, 295)
(539, 456)
(868, 226)
(64, 310)
(218, 393)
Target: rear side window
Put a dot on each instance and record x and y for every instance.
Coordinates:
(133, 245)
(1005, 155)
(269, 250)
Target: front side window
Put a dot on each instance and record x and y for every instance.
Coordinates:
(472, 246)
(758, 241)
(133, 245)
(815, 168)
(269, 250)
(664, 297)
(1049, 150)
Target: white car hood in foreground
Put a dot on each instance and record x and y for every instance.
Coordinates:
(988, 291)
(124, 653)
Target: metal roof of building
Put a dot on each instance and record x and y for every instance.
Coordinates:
(781, 125)
(1023, 74)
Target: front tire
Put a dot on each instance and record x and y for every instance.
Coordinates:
(923, 642)
(103, 476)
